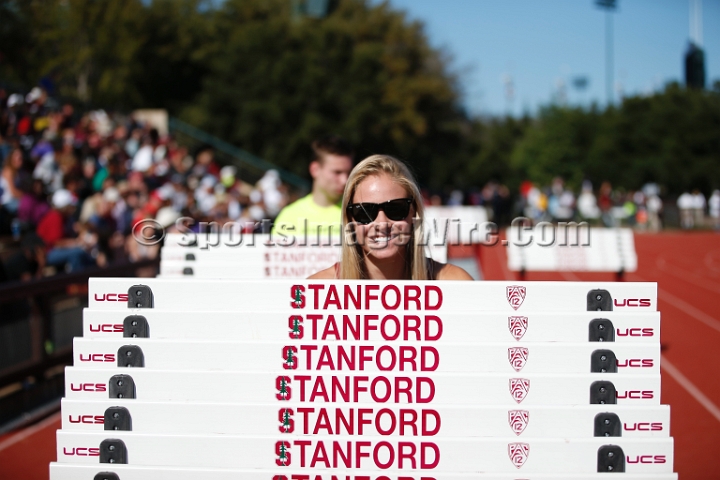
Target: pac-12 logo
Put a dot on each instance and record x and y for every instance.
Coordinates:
(518, 453)
(517, 326)
(518, 420)
(519, 388)
(515, 295)
(517, 356)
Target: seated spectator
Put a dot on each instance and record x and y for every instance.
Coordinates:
(10, 181)
(64, 251)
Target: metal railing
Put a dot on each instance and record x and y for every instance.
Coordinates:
(38, 320)
(250, 168)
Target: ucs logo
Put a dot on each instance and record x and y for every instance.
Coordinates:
(643, 427)
(81, 452)
(111, 297)
(88, 387)
(97, 357)
(646, 459)
(515, 295)
(633, 302)
(88, 419)
(106, 328)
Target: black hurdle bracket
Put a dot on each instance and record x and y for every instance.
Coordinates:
(130, 356)
(121, 386)
(140, 296)
(610, 458)
(599, 300)
(189, 256)
(136, 326)
(607, 424)
(118, 418)
(601, 330)
(188, 271)
(601, 361)
(603, 392)
(113, 450)
(106, 476)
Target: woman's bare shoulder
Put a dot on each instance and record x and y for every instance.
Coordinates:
(446, 271)
(328, 273)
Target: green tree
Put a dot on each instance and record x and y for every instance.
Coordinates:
(364, 72)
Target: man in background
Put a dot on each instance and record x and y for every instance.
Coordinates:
(320, 211)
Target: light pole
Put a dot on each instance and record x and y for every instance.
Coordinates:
(609, 6)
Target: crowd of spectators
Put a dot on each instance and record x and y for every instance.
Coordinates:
(74, 185)
(642, 209)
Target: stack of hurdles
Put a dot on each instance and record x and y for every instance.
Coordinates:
(222, 255)
(317, 380)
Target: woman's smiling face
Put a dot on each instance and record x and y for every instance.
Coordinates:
(383, 238)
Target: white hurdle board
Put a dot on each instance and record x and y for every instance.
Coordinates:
(69, 471)
(364, 380)
(547, 247)
(504, 454)
(476, 357)
(183, 418)
(119, 293)
(451, 389)
(379, 326)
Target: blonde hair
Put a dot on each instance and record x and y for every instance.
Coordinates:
(352, 259)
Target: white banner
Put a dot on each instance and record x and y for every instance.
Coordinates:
(289, 454)
(67, 471)
(578, 421)
(361, 296)
(377, 326)
(450, 389)
(378, 357)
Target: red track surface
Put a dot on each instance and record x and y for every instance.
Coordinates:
(687, 269)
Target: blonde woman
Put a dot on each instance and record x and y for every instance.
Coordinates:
(382, 218)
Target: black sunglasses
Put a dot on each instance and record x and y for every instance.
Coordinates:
(365, 213)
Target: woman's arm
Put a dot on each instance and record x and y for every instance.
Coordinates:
(446, 271)
(323, 274)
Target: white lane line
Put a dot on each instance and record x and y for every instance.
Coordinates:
(690, 387)
(686, 276)
(686, 307)
(27, 432)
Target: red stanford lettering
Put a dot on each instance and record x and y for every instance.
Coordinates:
(106, 328)
(382, 455)
(633, 302)
(352, 421)
(358, 357)
(315, 476)
(359, 327)
(380, 389)
(111, 297)
(368, 296)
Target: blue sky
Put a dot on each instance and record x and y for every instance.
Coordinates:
(542, 44)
